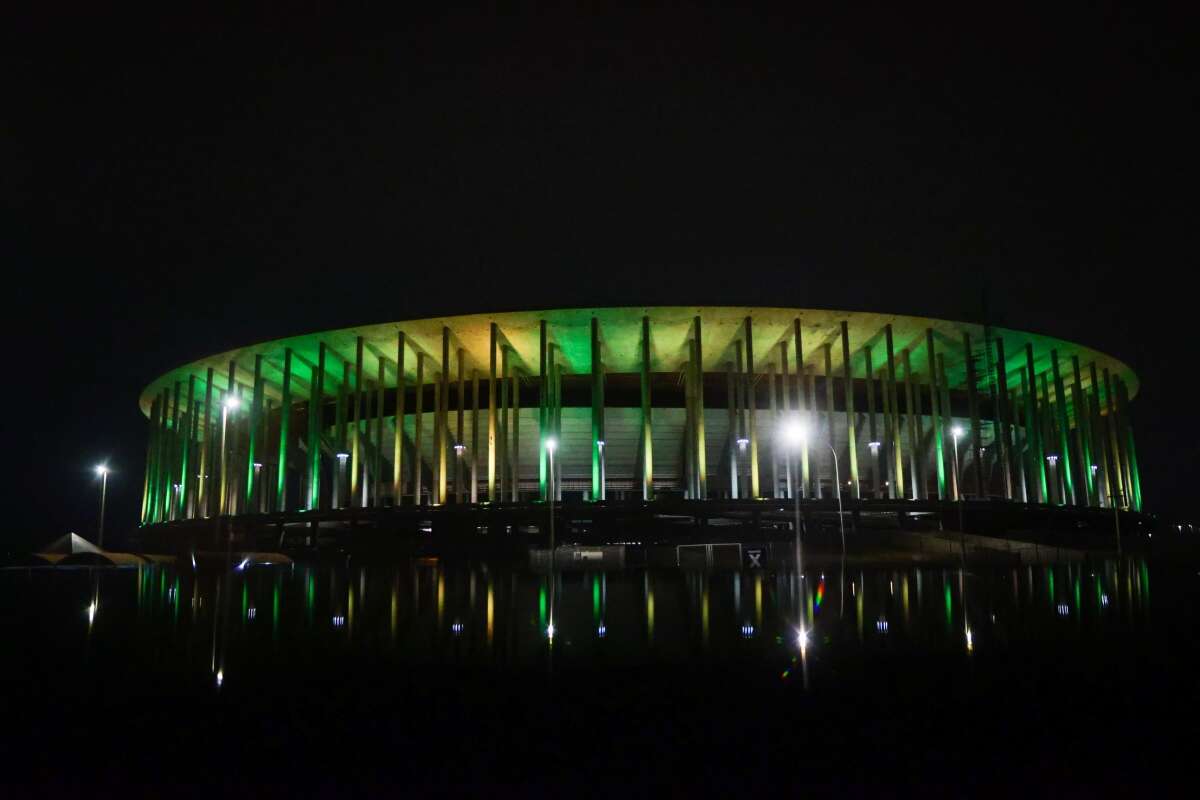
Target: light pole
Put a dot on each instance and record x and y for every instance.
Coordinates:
(799, 434)
(794, 435)
(102, 471)
(459, 449)
(339, 479)
(1053, 459)
(603, 483)
(551, 446)
(957, 432)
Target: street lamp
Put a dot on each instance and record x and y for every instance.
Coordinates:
(231, 404)
(102, 471)
(1053, 459)
(797, 433)
(957, 433)
(603, 482)
(339, 479)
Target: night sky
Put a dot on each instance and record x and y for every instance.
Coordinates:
(173, 187)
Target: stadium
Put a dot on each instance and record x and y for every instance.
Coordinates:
(715, 410)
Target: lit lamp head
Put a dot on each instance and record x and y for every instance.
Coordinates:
(742, 442)
(232, 402)
(956, 431)
(101, 470)
(600, 443)
(1052, 458)
(551, 445)
(874, 447)
(460, 448)
(258, 465)
(342, 456)
(795, 433)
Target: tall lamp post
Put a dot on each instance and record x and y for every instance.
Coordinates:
(231, 403)
(957, 432)
(798, 434)
(102, 471)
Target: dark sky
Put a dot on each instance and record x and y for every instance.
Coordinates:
(175, 187)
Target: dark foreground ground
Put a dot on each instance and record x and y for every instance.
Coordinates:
(1102, 716)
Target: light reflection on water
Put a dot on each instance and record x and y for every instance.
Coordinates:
(479, 614)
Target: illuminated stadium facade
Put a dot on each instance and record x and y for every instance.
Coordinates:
(639, 406)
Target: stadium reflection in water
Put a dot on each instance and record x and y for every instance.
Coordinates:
(500, 616)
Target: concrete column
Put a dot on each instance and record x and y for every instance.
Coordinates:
(558, 422)
(1099, 437)
(741, 438)
(802, 407)
(811, 394)
(503, 478)
(751, 407)
(443, 414)
(364, 482)
(491, 458)
(774, 445)
(515, 451)
(355, 424)
(149, 486)
(1016, 449)
(1003, 408)
(889, 462)
(1135, 481)
(734, 421)
(1047, 432)
(919, 476)
(185, 437)
(896, 484)
(851, 433)
(252, 454)
(647, 421)
(950, 466)
(1120, 480)
(285, 424)
(203, 484)
(688, 470)
(460, 494)
(914, 484)
(872, 432)
(698, 365)
(936, 410)
(194, 447)
(377, 460)
(543, 411)
(1033, 430)
(785, 385)
(474, 436)
(973, 406)
(830, 413)
(418, 426)
(597, 411)
(224, 500)
(1083, 423)
(171, 463)
(437, 464)
(398, 436)
(1060, 399)
(316, 418)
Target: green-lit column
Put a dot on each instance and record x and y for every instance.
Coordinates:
(194, 445)
(364, 499)
(435, 458)
(896, 484)
(597, 411)
(285, 424)
(919, 471)
(418, 427)
(514, 452)
(558, 420)
(647, 422)
(355, 424)
(1060, 399)
(851, 433)
(398, 436)
(172, 463)
(377, 456)
(1135, 481)
(935, 408)
(1083, 422)
(491, 461)
(1098, 435)
(830, 412)
(950, 461)
(225, 499)
(203, 492)
(1016, 448)
(1120, 472)
(698, 365)
(252, 440)
(340, 437)
(973, 407)
(773, 412)
(914, 491)
(316, 406)
(474, 436)
(185, 437)
(1002, 405)
(148, 484)
(1033, 428)
(1080, 445)
(460, 495)
(1047, 434)
(543, 411)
